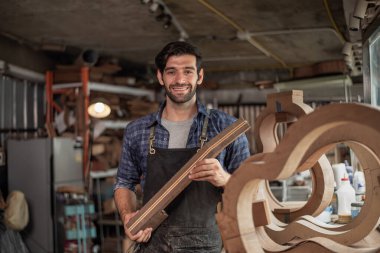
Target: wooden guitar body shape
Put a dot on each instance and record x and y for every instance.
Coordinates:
(287, 107)
(248, 225)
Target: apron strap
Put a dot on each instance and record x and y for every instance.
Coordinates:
(152, 151)
(203, 137)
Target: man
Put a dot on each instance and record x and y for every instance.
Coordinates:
(156, 146)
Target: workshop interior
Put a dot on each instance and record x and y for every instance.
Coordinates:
(303, 75)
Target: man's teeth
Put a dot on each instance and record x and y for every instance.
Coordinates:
(180, 88)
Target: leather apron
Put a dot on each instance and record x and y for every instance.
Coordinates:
(191, 225)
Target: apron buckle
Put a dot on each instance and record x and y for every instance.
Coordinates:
(203, 140)
(152, 151)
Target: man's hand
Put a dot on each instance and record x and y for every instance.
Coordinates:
(142, 235)
(210, 170)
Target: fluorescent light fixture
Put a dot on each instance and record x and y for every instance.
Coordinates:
(20, 72)
(360, 9)
(354, 23)
(153, 7)
(99, 109)
(55, 47)
(356, 71)
(313, 83)
(347, 48)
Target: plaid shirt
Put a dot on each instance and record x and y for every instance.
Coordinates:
(133, 161)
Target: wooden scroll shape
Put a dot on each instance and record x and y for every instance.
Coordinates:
(287, 107)
(303, 144)
(152, 213)
(365, 221)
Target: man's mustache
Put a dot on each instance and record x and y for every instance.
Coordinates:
(180, 85)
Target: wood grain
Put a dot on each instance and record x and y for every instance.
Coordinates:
(305, 141)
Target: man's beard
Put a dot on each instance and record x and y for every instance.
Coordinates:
(182, 99)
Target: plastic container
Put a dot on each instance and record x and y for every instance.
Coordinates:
(359, 182)
(339, 170)
(346, 196)
(334, 204)
(299, 180)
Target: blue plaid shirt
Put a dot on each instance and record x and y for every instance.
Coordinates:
(133, 161)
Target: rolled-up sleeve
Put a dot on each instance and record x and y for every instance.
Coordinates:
(128, 173)
(237, 152)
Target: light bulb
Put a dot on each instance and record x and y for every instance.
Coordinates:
(99, 110)
(99, 107)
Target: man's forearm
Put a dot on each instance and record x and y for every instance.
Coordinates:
(125, 200)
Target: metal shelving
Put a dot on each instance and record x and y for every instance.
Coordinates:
(87, 86)
(102, 221)
(84, 88)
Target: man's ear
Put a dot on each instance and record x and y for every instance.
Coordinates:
(159, 77)
(200, 76)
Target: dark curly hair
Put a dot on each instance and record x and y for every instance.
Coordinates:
(177, 48)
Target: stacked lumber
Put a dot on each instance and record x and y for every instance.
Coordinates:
(105, 153)
(139, 107)
(248, 221)
(72, 73)
(105, 72)
(322, 68)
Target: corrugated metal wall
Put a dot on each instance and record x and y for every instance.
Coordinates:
(247, 112)
(22, 107)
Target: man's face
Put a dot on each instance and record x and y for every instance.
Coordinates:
(180, 78)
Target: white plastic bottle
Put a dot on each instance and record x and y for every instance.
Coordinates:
(359, 182)
(346, 196)
(339, 170)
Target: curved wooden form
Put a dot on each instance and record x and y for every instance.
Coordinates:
(303, 144)
(317, 244)
(152, 213)
(287, 107)
(368, 161)
(281, 107)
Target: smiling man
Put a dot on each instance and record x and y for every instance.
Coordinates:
(156, 146)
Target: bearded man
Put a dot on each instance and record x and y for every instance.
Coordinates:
(156, 146)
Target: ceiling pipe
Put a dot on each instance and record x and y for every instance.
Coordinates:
(240, 29)
(94, 86)
(339, 81)
(234, 58)
(182, 32)
(292, 31)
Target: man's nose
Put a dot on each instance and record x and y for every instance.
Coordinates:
(180, 78)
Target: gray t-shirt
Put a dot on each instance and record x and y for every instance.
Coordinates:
(178, 132)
